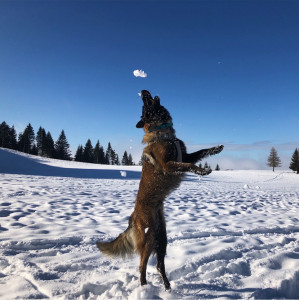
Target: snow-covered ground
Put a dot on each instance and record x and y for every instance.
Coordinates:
(232, 234)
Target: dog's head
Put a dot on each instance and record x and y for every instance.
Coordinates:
(152, 111)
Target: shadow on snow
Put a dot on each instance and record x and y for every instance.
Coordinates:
(12, 163)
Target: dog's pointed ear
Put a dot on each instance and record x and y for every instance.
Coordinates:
(157, 101)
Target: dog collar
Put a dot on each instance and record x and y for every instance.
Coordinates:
(163, 126)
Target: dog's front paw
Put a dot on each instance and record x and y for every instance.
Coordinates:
(203, 172)
(206, 172)
(218, 149)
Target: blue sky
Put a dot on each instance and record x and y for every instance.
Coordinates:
(228, 72)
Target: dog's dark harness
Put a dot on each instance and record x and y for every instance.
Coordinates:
(179, 157)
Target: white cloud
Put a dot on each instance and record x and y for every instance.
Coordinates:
(139, 73)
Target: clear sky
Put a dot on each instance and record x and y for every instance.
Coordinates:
(228, 72)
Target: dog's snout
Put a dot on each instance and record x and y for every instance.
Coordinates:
(146, 97)
(145, 93)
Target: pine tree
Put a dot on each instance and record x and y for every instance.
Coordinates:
(8, 137)
(4, 135)
(88, 152)
(99, 154)
(217, 168)
(40, 141)
(79, 154)
(20, 142)
(130, 160)
(30, 136)
(26, 139)
(207, 166)
(34, 150)
(294, 165)
(109, 155)
(49, 146)
(200, 165)
(62, 146)
(96, 153)
(273, 159)
(125, 159)
(13, 138)
(114, 158)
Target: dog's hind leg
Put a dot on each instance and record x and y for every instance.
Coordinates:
(145, 249)
(161, 244)
(199, 155)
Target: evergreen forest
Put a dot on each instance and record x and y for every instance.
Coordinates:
(43, 144)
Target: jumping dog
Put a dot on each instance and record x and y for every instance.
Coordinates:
(164, 165)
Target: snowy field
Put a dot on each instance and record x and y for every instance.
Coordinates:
(232, 234)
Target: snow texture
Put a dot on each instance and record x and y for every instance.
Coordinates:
(232, 234)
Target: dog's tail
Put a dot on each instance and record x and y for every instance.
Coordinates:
(122, 246)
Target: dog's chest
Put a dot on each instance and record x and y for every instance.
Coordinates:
(157, 153)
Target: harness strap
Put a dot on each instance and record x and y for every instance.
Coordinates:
(149, 158)
(179, 151)
(163, 126)
(179, 156)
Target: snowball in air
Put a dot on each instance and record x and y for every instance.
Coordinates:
(139, 73)
(123, 173)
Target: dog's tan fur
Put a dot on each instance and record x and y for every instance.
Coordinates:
(161, 174)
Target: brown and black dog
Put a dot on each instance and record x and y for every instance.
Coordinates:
(164, 165)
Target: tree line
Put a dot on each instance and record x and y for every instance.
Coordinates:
(42, 144)
(274, 161)
(208, 167)
(97, 155)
